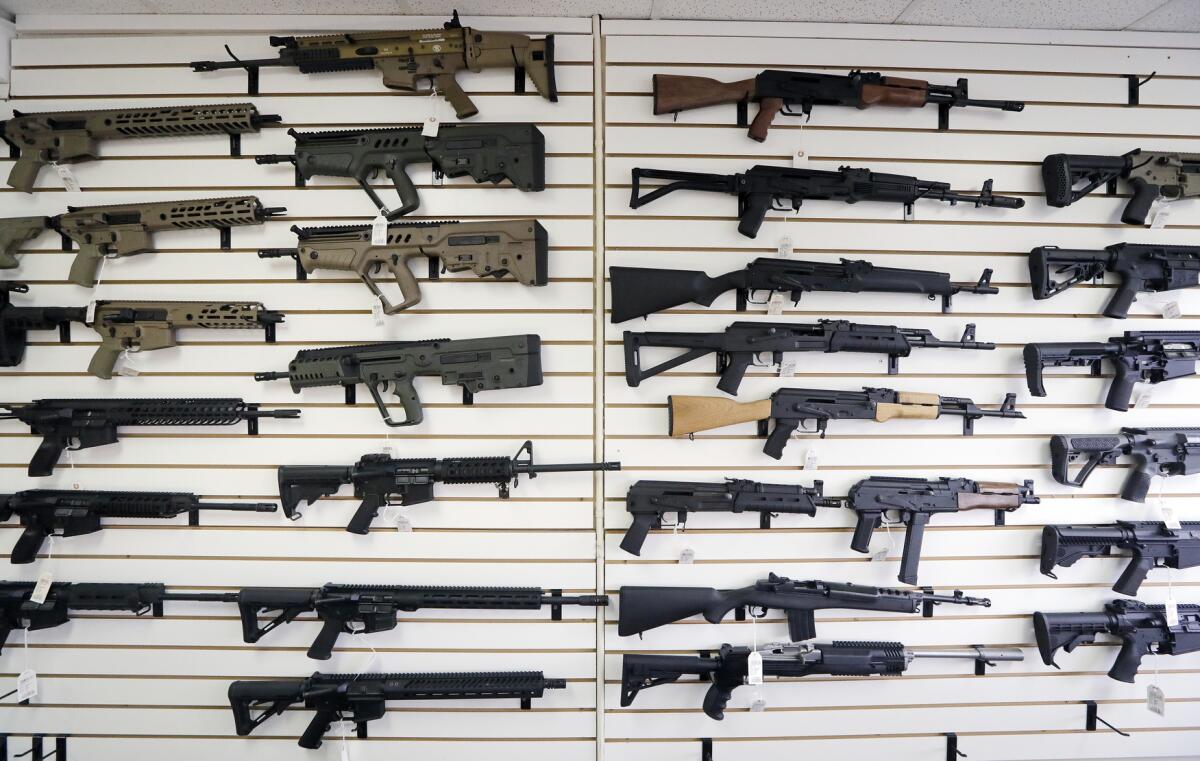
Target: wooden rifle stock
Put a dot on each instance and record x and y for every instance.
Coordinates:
(689, 414)
(674, 93)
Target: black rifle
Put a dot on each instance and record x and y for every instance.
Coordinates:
(16, 322)
(367, 608)
(76, 424)
(765, 188)
(742, 342)
(1152, 175)
(476, 364)
(916, 501)
(790, 407)
(729, 668)
(379, 479)
(361, 698)
(777, 91)
(641, 291)
(18, 612)
(1142, 267)
(49, 512)
(1155, 452)
(486, 152)
(1142, 628)
(1151, 544)
(645, 608)
(649, 501)
(1147, 356)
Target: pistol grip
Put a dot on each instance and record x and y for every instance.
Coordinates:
(1137, 485)
(767, 108)
(322, 647)
(367, 510)
(104, 360)
(779, 437)
(410, 290)
(1134, 574)
(635, 536)
(85, 266)
(28, 543)
(1127, 291)
(317, 728)
(448, 87)
(754, 208)
(1121, 390)
(46, 456)
(868, 521)
(410, 200)
(24, 174)
(735, 370)
(1144, 196)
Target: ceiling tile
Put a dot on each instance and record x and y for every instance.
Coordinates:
(1029, 14)
(1175, 16)
(850, 11)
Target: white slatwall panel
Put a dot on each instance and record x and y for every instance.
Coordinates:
(1022, 710)
(97, 672)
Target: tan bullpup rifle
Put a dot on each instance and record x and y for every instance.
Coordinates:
(73, 137)
(405, 58)
(106, 232)
(516, 247)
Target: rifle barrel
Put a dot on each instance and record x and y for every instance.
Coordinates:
(981, 653)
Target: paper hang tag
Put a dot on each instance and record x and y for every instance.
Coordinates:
(787, 368)
(1171, 612)
(810, 458)
(42, 588)
(785, 246)
(1169, 518)
(68, 178)
(758, 705)
(1171, 310)
(387, 448)
(377, 315)
(394, 515)
(687, 556)
(776, 303)
(125, 366)
(1156, 701)
(379, 230)
(90, 316)
(430, 126)
(800, 157)
(754, 668)
(27, 686)
(879, 556)
(1143, 397)
(1159, 213)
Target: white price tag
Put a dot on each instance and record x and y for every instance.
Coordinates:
(787, 368)
(800, 158)
(1156, 701)
(27, 687)
(387, 448)
(1169, 518)
(687, 556)
(776, 303)
(42, 588)
(394, 515)
(878, 556)
(1159, 213)
(810, 458)
(1143, 397)
(754, 668)
(430, 127)
(379, 231)
(125, 366)
(1172, 311)
(377, 314)
(68, 178)
(90, 316)
(758, 705)
(1171, 612)
(785, 246)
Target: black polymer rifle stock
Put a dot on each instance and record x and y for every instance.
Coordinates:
(742, 343)
(379, 479)
(73, 137)
(641, 291)
(729, 667)
(66, 513)
(916, 501)
(17, 321)
(780, 92)
(475, 364)
(1142, 268)
(1137, 356)
(371, 608)
(485, 152)
(646, 608)
(76, 424)
(648, 502)
(764, 188)
(409, 57)
(1142, 629)
(1152, 175)
(789, 408)
(1151, 544)
(1154, 451)
(361, 698)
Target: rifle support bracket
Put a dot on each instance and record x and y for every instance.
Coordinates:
(1093, 716)
(927, 605)
(556, 608)
(943, 117)
(952, 751)
(981, 663)
(1135, 86)
(235, 144)
(999, 520)
(706, 752)
(37, 748)
(226, 238)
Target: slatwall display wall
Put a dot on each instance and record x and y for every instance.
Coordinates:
(157, 688)
(1075, 91)
(149, 687)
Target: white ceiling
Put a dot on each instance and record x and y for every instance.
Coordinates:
(1139, 15)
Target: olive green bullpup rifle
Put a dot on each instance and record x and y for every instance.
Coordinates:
(73, 137)
(405, 58)
(109, 232)
(516, 247)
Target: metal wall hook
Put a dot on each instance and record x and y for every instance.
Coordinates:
(37, 748)
(1135, 85)
(952, 751)
(706, 752)
(1093, 716)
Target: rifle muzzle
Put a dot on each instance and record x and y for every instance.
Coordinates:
(275, 158)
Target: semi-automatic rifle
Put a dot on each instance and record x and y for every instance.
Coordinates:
(1152, 544)
(1151, 175)
(1142, 267)
(1155, 452)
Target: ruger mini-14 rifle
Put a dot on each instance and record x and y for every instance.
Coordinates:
(73, 137)
(66, 513)
(648, 502)
(778, 91)
(641, 291)
(1142, 267)
(476, 364)
(740, 345)
(409, 57)
(1150, 356)
(515, 247)
(1151, 543)
(1152, 176)
(1143, 630)
(645, 608)
(379, 480)
(486, 152)
(76, 424)
(729, 668)
(764, 188)
(790, 407)
(360, 698)
(1155, 452)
